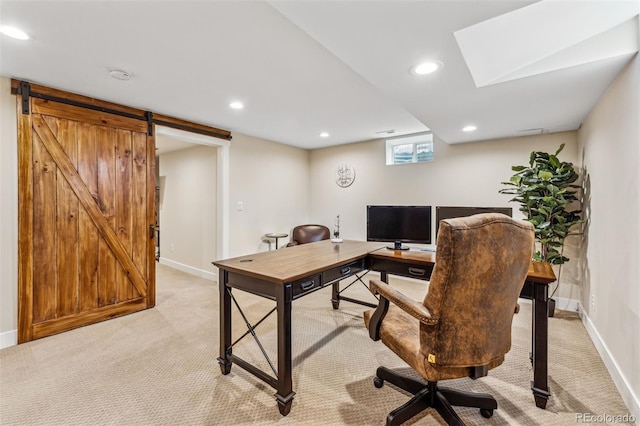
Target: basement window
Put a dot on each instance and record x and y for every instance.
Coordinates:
(410, 149)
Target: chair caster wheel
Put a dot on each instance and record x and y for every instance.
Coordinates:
(378, 382)
(486, 412)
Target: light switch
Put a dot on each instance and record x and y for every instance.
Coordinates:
(240, 206)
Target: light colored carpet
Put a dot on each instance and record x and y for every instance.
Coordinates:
(158, 367)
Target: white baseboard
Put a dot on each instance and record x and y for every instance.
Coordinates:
(565, 304)
(8, 339)
(189, 269)
(626, 392)
(622, 384)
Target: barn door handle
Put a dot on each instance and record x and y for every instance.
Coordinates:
(152, 232)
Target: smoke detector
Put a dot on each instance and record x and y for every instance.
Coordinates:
(120, 75)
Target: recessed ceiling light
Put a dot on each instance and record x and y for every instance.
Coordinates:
(14, 32)
(469, 128)
(236, 105)
(324, 135)
(120, 75)
(426, 67)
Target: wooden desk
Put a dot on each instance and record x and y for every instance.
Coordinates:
(419, 264)
(283, 275)
(287, 274)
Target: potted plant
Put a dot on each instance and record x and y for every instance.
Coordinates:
(546, 190)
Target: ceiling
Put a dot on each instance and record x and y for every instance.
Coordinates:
(343, 67)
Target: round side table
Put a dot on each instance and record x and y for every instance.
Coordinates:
(276, 236)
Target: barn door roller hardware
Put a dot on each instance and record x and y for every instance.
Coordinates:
(28, 90)
(149, 115)
(25, 88)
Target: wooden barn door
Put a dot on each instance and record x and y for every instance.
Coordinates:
(86, 212)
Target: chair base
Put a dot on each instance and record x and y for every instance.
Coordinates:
(430, 395)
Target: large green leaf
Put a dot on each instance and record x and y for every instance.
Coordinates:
(545, 175)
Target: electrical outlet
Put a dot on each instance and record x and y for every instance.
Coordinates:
(593, 302)
(171, 248)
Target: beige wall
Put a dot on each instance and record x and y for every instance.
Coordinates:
(268, 178)
(460, 175)
(272, 182)
(8, 214)
(609, 143)
(188, 205)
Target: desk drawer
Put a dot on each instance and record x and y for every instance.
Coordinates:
(421, 272)
(305, 286)
(343, 271)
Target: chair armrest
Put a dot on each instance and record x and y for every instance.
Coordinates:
(292, 243)
(410, 306)
(388, 293)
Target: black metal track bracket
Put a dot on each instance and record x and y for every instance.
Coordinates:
(149, 115)
(25, 88)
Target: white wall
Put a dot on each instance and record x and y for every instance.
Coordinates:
(272, 182)
(188, 209)
(8, 216)
(460, 175)
(609, 143)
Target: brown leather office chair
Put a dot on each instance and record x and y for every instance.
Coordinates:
(463, 326)
(303, 234)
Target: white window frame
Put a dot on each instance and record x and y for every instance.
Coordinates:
(417, 139)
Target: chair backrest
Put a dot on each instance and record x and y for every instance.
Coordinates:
(303, 234)
(481, 265)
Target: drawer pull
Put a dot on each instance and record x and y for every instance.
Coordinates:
(307, 285)
(417, 271)
(345, 271)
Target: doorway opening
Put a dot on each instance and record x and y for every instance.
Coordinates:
(192, 198)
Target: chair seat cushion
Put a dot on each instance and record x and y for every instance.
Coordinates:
(400, 332)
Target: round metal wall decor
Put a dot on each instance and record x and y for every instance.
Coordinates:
(345, 175)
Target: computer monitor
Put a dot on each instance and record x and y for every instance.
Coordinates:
(399, 224)
(444, 212)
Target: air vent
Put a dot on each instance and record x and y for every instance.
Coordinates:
(386, 132)
(529, 132)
